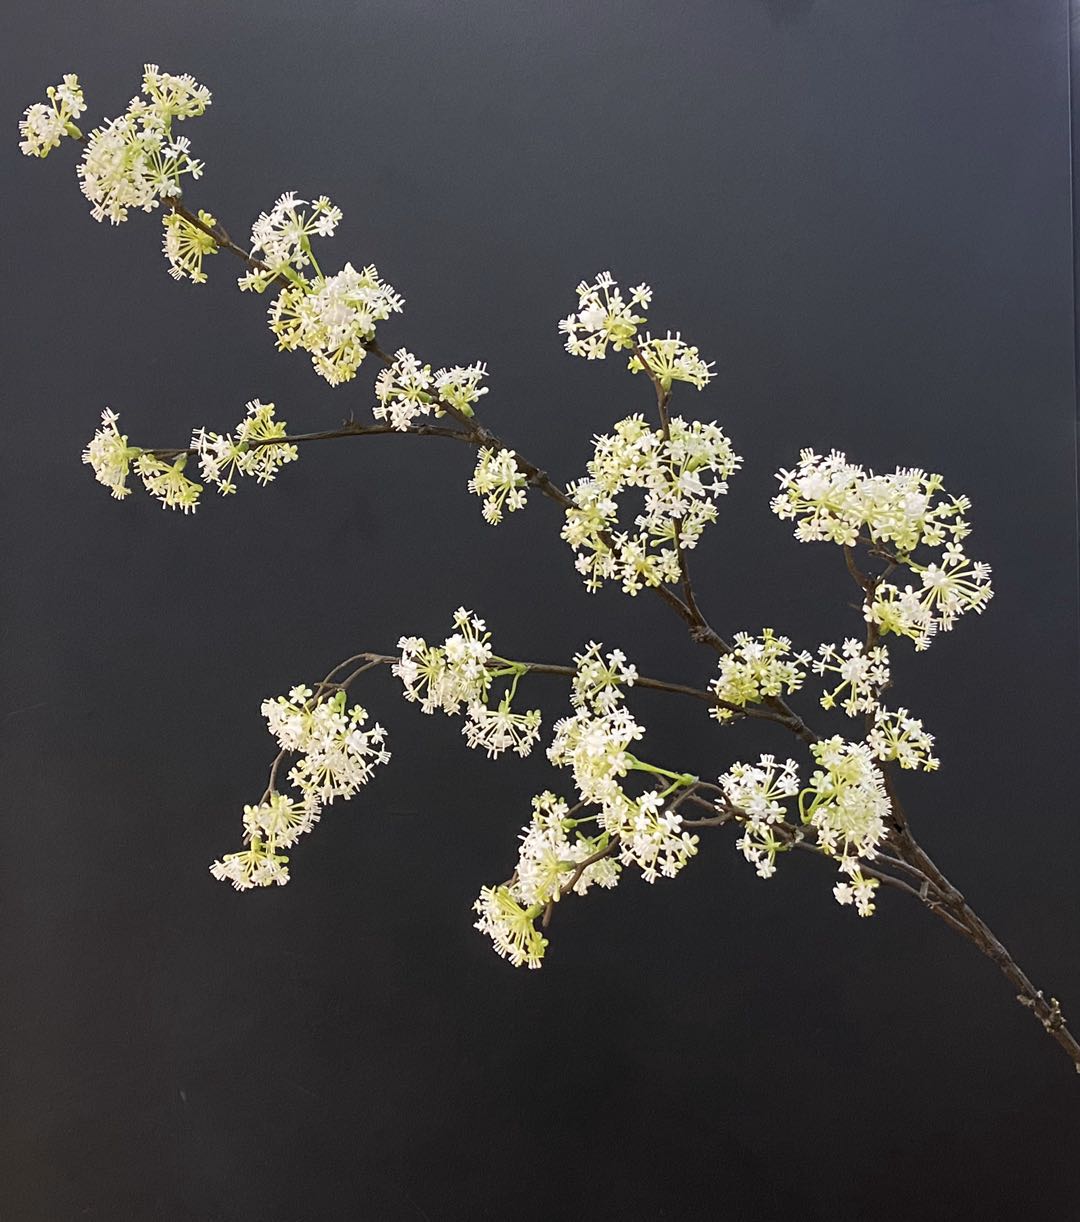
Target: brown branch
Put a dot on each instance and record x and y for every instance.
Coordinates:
(348, 429)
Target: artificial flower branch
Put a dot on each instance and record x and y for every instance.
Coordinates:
(846, 811)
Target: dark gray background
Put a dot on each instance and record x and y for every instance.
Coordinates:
(861, 209)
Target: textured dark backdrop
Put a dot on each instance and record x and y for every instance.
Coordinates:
(861, 208)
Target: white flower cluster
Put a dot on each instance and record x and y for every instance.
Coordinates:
(549, 855)
(333, 318)
(757, 667)
(501, 483)
(848, 809)
(651, 836)
(594, 744)
(185, 245)
(599, 679)
(450, 675)
(680, 500)
(43, 126)
(630, 831)
(901, 737)
(110, 456)
(253, 451)
(167, 481)
(459, 673)
(947, 590)
(256, 866)
(337, 756)
(758, 792)
(836, 500)
(863, 674)
(501, 729)
(460, 386)
(552, 849)
(670, 360)
(135, 161)
(405, 390)
(280, 238)
(604, 318)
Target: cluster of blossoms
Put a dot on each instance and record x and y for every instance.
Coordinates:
(863, 673)
(337, 757)
(254, 451)
(899, 736)
(331, 317)
(110, 456)
(670, 360)
(837, 501)
(551, 854)
(112, 460)
(43, 125)
(337, 754)
(595, 746)
(680, 499)
(640, 831)
(758, 792)
(847, 804)
(594, 741)
(500, 482)
(405, 390)
(604, 318)
(947, 590)
(167, 481)
(460, 386)
(186, 245)
(650, 835)
(599, 679)
(281, 238)
(756, 668)
(458, 674)
(134, 160)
